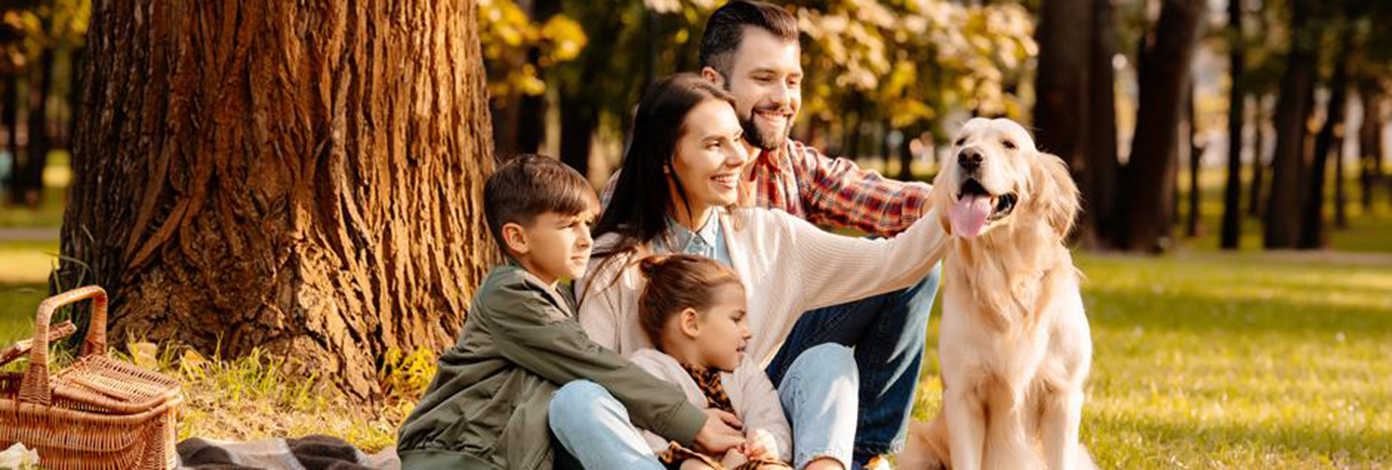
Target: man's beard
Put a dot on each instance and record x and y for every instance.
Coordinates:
(766, 141)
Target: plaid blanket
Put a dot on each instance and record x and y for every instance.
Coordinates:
(306, 453)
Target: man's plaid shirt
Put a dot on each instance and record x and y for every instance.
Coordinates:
(830, 191)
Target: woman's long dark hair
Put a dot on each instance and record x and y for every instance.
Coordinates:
(639, 207)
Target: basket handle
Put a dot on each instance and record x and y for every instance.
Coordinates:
(34, 388)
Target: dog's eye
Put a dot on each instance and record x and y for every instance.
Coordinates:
(961, 141)
(1010, 144)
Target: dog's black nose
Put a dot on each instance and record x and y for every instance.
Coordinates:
(969, 159)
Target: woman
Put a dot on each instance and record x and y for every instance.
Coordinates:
(677, 193)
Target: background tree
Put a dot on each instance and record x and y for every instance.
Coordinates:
(299, 177)
(1282, 224)
(1237, 100)
(1166, 57)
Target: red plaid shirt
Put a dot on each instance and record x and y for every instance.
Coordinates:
(830, 191)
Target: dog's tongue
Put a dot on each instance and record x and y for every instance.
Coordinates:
(969, 215)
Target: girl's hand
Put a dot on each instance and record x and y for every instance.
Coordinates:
(760, 445)
(734, 458)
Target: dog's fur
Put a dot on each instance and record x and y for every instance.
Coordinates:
(1015, 347)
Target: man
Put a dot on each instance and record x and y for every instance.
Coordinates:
(751, 49)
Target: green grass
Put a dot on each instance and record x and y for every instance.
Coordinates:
(18, 304)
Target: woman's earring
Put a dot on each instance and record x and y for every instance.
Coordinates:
(666, 170)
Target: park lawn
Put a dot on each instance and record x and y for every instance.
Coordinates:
(1233, 361)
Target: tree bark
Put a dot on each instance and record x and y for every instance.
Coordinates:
(301, 177)
(1064, 89)
(75, 80)
(1282, 226)
(1237, 98)
(1163, 72)
(1370, 143)
(1313, 232)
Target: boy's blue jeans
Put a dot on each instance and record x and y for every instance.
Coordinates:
(889, 335)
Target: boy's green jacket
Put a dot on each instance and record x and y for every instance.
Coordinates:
(487, 406)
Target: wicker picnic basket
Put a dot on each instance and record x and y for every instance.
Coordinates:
(99, 413)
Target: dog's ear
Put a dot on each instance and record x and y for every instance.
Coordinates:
(940, 199)
(1056, 194)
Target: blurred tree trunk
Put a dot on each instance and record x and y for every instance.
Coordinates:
(10, 116)
(1370, 142)
(1237, 98)
(1255, 204)
(905, 154)
(1102, 133)
(579, 106)
(579, 119)
(1163, 71)
(1194, 224)
(1282, 226)
(28, 169)
(1313, 232)
(519, 119)
(1064, 90)
(1340, 196)
(304, 179)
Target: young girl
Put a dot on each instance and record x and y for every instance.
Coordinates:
(693, 310)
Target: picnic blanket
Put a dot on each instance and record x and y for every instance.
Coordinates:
(306, 453)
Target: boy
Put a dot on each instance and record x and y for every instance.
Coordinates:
(487, 406)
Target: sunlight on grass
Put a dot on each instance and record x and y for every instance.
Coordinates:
(27, 262)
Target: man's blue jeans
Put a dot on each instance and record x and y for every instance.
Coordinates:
(889, 334)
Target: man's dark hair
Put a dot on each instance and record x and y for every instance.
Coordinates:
(725, 31)
(531, 185)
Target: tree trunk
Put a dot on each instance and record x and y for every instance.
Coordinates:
(1370, 143)
(1340, 197)
(1259, 164)
(1237, 98)
(1064, 89)
(1282, 226)
(301, 178)
(1102, 133)
(579, 118)
(28, 181)
(1313, 233)
(1194, 225)
(905, 153)
(10, 116)
(1162, 75)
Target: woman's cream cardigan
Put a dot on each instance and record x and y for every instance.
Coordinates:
(788, 266)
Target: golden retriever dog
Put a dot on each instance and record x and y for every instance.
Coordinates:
(1015, 347)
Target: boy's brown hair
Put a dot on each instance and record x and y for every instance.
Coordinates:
(529, 185)
(675, 283)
